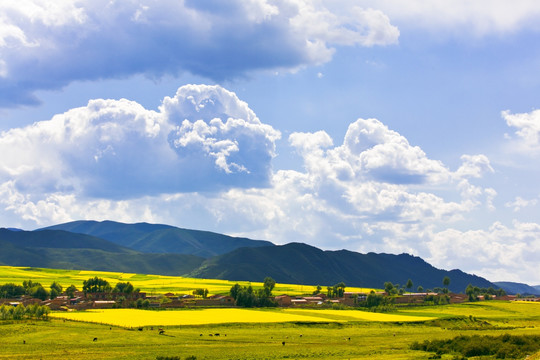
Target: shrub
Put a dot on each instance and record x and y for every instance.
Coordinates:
(503, 347)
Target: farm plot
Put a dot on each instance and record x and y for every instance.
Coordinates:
(137, 318)
(151, 284)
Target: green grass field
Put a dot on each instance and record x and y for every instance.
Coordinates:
(251, 334)
(321, 340)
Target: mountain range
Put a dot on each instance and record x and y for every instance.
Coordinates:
(168, 250)
(518, 288)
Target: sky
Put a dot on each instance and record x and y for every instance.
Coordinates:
(373, 126)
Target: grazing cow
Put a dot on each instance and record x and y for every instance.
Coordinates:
(161, 332)
(300, 335)
(283, 343)
(95, 339)
(210, 334)
(24, 341)
(200, 335)
(140, 329)
(216, 334)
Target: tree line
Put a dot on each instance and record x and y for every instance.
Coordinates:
(246, 296)
(33, 289)
(20, 312)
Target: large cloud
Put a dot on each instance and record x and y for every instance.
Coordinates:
(203, 138)
(46, 45)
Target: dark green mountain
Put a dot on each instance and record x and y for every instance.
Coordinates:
(64, 250)
(156, 238)
(303, 264)
(160, 249)
(518, 288)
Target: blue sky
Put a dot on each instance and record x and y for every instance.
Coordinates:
(366, 125)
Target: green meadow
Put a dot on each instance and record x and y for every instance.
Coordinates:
(299, 334)
(59, 338)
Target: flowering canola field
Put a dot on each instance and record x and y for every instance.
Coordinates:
(151, 284)
(137, 318)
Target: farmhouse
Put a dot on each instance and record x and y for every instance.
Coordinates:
(104, 304)
(283, 300)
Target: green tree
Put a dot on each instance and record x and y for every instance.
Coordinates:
(269, 285)
(409, 284)
(338, 289)
(70, 291)
(96, 285)
(420, 289)
(235, 290)
(19, 312)
(57, 287)
(446, 282)
(123, 288)
(53, 294)
(389, 288)
(11, 290)
(28, 284)
(317, 290)
(39, 292)
(469, 291)
(201, 292)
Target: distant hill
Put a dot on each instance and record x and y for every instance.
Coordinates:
(64, 250)
(156, 238)
(518, 288)
(303, 264)
(167, 250)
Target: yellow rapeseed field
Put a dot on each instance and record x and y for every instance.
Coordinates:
(136, 318)
(151, 284)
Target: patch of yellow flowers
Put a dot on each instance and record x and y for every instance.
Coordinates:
(137, 318)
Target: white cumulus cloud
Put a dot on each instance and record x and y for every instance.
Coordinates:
(527, 130)
(47, 45)
(203, 138)
(520, 203)
(500, 252)
(463, 17)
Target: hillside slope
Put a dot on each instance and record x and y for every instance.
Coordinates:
(518, 288)
(64, 250)
(157, 238)
(303, 264)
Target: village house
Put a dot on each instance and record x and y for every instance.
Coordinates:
(283, 300)
(104, 304)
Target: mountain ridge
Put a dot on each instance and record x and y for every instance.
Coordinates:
(160, 238)
(60, 249)
(518, 288)
(285, 263)
(295, 262)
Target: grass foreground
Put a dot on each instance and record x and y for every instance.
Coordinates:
(335, 334)
(235, 333)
